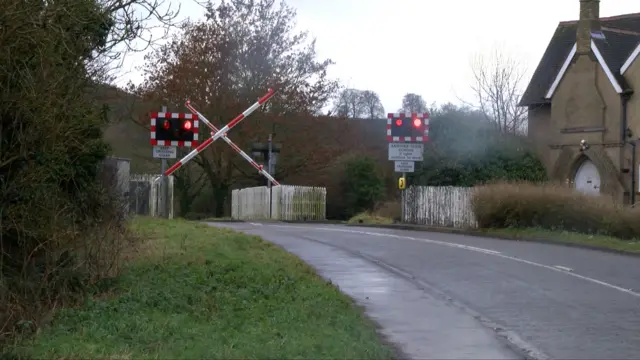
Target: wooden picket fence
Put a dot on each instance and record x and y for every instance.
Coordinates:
(283, 202)
(442, 206)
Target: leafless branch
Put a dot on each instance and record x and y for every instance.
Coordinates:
(497, 84)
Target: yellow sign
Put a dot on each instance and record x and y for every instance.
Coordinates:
(402, 183)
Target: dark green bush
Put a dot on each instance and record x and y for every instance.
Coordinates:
(61, 217)
(553, 207)
(465, 149)
(363, 185)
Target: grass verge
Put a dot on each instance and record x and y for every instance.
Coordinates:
(194, 292)
(560, 237)
(596, 241)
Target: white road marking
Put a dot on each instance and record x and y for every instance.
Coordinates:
(255, 224)
(562, 270)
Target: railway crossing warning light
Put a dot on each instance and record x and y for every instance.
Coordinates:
(412, 127)
(174, 129)
(402, 183)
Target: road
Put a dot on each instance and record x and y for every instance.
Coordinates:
(559, 302)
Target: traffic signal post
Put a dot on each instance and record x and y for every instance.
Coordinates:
(168, 132)
(406, 134)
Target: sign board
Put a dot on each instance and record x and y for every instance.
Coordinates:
(165, 152)
(405, 166)
(406, 151)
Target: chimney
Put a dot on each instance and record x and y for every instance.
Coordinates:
(588, 24)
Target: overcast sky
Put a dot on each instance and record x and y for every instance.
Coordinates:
(423, 46)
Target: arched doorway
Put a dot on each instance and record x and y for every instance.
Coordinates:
(587, 179)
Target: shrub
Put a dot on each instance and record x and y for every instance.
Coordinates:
(363, 186)
(465, 149)
(553, 207)
(61, 220)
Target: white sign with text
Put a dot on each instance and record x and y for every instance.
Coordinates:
(405, 166)
(165, 152)
(405, 151)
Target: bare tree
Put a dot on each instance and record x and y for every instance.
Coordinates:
(349, 104)
(497, 84)
(372, 105)
(413, 103)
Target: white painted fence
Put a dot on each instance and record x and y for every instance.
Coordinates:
(444, 206)
(287, 202)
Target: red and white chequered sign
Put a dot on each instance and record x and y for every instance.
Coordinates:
(391, 117)
(168, 115)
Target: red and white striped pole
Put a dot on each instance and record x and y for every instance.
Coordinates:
(234, 146)
(219, 133)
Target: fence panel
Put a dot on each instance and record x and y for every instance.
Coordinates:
(444, 206)
(145, 195)
(284, 202)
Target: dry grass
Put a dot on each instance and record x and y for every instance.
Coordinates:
(552, 207)
(369, 218)
(384, 213)
(391, 209)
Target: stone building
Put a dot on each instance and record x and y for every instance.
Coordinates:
(584, 115)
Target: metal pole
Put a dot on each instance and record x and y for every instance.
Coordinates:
(633, 173)
(269, 166)
(270, 161)
(163, 201)
(403, 198)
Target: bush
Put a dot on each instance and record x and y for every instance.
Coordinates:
(553, 207)
(363, 186)
(61, 217)
(465, 149)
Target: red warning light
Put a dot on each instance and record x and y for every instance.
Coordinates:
(417, 122)
(187, 125)
(166, 124)
(399, 122)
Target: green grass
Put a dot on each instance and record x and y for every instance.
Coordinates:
(608, 242)
(196, 292)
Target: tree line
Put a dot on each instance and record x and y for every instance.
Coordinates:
(497, 87)
(366, 104)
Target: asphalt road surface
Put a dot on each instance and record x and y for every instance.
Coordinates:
(555, 301)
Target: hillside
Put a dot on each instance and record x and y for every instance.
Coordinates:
(125, 133)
